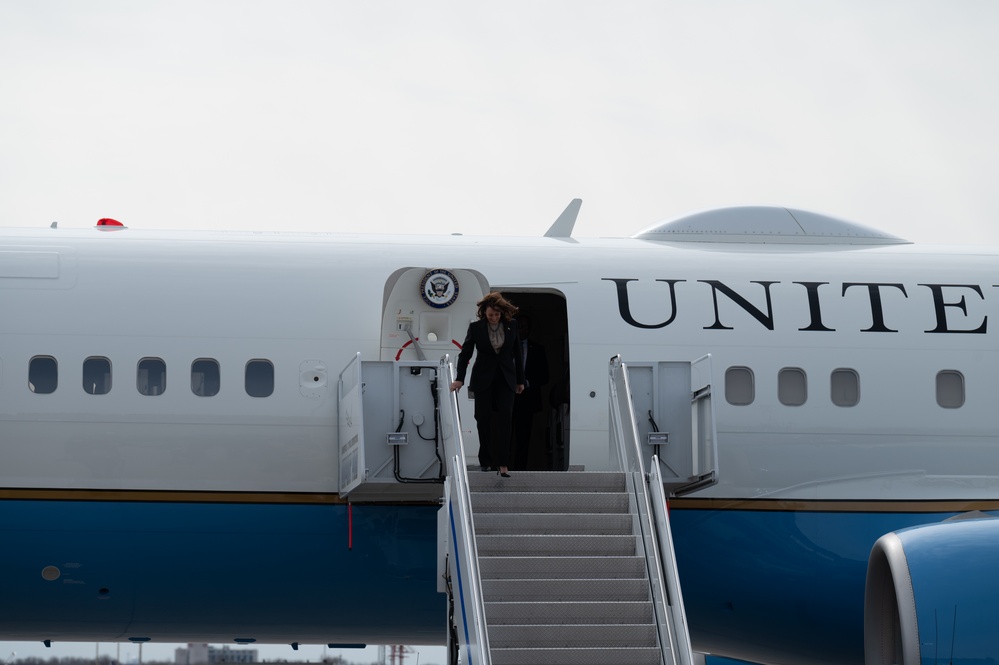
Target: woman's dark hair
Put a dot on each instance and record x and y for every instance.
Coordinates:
(496, 300)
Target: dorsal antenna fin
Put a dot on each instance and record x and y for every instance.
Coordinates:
(562, 228)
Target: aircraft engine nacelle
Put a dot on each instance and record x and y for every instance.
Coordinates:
(933, 594)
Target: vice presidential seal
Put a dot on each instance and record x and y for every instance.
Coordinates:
(439, 288)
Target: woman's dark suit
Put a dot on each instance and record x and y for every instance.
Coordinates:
(495, 377)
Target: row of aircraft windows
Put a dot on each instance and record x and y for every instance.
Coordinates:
(844, 387)
(150, 376)
(740, 384)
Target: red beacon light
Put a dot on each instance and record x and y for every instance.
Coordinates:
(108, 224)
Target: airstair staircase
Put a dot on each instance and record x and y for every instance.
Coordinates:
(562, 579)
(559, 568)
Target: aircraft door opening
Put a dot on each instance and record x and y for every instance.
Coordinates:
(544, 411)
(425, 315)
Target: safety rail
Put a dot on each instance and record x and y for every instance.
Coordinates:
(681, 634)
(462, 550)
(651, 504)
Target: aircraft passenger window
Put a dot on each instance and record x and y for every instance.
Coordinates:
(259, 378)
(96, 376)
(43, 375)
(740, 389)
(792, 386)
(205, 377)
(151, 376)
(950, 389)
(844, 387)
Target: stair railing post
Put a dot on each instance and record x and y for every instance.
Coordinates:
(660, 512)
(464, 559)
(624, 434)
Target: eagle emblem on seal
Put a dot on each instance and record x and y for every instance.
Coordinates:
(439, 288)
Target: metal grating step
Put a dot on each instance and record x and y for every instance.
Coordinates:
(552, 502)
(554, 523)
(611, 656)
(574, 612)
(563, 567)
(496, 591)
(562, 580)
(542, 545)
(574, 636)
(544, 481)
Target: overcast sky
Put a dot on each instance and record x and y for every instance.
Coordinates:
(488, 117)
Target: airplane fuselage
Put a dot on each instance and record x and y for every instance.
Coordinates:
(152, 488)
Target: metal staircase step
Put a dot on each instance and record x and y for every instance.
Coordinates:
(574, 636)
(549, 481)
(543, 545)
(554, 523)
(573, 612)
(583, 656)
(563, 567)
(561, 576)
(494, 591)
(549, 502)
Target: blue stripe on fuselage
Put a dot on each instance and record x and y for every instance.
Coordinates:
(765, 586)
(175, 571)
(779, 587)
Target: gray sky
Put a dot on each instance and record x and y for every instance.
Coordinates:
(489, 117)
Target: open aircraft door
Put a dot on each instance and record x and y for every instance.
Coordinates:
(426, 311)
(676, 421)
(389, 443)
(425, 315)
(350, 432)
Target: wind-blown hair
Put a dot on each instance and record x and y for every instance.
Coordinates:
(496, 300)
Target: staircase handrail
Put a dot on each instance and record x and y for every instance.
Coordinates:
(624, 432)
(462, 525)
(623, 427)
(664, 531)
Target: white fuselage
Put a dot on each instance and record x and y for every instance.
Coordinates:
(853, 390)
(294, 299)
